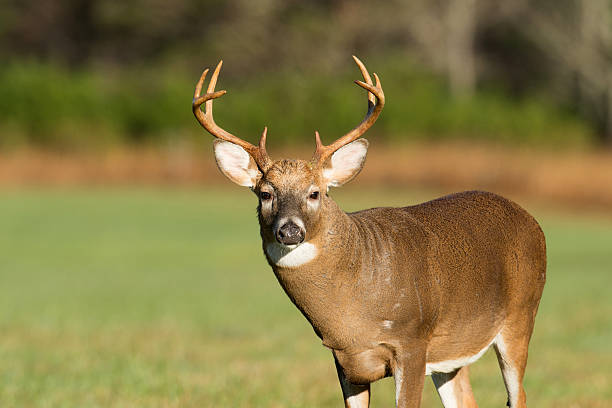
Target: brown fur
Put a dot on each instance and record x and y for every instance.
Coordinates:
(450, 274)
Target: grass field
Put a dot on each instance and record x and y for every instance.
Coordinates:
(162, 298)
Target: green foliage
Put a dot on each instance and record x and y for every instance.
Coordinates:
(421, 104)
(55, 107)
(52, 106)
(163, 298)
(523, 48)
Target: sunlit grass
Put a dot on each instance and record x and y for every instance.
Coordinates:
(163, 298)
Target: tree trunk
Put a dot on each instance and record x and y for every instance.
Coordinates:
(607, 134)
(595, 65)
(461, 65)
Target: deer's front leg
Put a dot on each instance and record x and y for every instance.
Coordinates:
(409, 374)
(355, 396)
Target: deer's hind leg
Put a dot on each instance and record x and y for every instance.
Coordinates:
(455, 389)
(512, 357)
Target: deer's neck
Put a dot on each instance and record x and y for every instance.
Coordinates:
(321, 272)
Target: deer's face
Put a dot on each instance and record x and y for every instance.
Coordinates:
(292, 193)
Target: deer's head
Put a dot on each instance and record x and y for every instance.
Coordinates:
(292, 193)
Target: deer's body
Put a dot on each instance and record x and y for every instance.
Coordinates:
(408, 292)
(448, 272)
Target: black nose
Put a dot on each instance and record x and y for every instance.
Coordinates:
(290, 234)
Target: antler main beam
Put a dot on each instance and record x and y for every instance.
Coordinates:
(205, 117)
(376, 102)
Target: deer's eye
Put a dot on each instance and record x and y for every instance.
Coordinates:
(264, 195)
(314, 195)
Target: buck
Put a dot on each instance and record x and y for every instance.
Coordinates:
(403, 292)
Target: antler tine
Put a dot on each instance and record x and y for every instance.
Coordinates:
(207, 120)
(368, 79)
(376, 102)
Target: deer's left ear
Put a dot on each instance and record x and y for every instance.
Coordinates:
(236, 163)
(345, 163)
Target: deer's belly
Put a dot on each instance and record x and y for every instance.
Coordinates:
(364, 367)
(449, 356)
(452, 364)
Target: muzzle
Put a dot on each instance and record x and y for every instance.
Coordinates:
(290, 233)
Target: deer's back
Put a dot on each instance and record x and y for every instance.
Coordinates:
(482, 236)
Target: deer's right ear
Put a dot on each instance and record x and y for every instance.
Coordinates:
(236, 163)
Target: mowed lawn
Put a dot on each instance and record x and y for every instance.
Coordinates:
(162, 298)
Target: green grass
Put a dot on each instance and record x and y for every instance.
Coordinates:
(162, 298)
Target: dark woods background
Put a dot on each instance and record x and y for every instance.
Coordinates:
(80, 74)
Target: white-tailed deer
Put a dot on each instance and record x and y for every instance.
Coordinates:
(408, 292)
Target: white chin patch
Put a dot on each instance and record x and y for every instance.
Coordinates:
(291, 256)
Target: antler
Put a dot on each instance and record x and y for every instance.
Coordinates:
(258, 153)
(376, 101)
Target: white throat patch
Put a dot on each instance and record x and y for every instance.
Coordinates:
(288, 257)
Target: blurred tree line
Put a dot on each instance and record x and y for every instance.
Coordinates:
(75, 70)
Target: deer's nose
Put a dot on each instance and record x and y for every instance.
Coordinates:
(290, 234)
